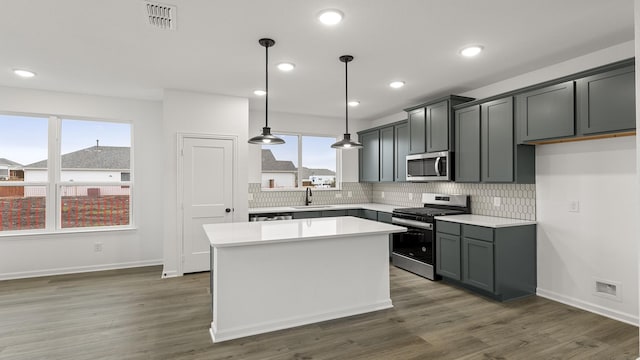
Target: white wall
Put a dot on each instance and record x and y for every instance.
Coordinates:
(36, 255)
(199, 113)
(308, 124)
(599, 241)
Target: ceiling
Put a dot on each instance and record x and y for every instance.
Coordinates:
(108, 48)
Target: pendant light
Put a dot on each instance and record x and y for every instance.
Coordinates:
(266, 138)
(346, 142)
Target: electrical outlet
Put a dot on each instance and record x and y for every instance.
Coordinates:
(338, 195)
(410, 196)
(97, 247)
(382, 194)
(574, 206)
(349, 193)
(250, 197)
(496, 201)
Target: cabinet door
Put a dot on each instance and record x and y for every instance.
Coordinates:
(369, 156)
(606, 102)
(355, 212)
(370, 214)
(307, 214)
(332, 213)
(437, 122)
(497, 140)
(417, 143)
(467, 154)
(386, 154)
(477, 263)
(448, 255)
(547, 113)
(402, 150)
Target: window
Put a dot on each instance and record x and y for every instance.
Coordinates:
(303, 161)
(88, 184)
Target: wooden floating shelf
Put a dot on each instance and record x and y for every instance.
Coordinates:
(583, 138)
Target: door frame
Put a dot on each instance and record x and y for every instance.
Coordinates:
(181, 136)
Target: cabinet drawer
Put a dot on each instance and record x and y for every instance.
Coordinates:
(478, 232)
(448, 227)
(370, 214)
(331, 213)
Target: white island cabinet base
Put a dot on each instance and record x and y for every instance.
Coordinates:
(269, 276)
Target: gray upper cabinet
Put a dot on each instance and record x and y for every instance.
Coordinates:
(417, 133)
(437, 126)
(387, 158)
(370, 156)
(401, 144)
(467, 139)
(383, 153)
(497, 140)
(547, 113)
(485, 145)
(606, 102)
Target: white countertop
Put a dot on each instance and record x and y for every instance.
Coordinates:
(312, 207)
(487, 221)
(263, 232)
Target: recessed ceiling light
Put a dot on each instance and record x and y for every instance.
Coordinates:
(330, 17)
(396, 84)
(471, 51)
(285, 66)
(354, 103)
(260, 92)
(24, 73)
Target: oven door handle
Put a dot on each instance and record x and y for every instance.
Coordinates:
(412, 223)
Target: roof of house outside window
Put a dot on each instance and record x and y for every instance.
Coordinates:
(7, 162)
(94, 157)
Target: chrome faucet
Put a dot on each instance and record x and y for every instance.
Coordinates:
(308, 196)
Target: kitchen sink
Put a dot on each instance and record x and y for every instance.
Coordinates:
(313, 207)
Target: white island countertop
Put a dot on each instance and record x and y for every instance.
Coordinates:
(263, 232)
(486, 221)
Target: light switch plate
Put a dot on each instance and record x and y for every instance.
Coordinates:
(382, 194)
(410, 196)
(574, 206)
(496, 201)
(338, 196)
(250, 197)
(349, 193)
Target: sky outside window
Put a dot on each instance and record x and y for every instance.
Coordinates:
(24, 139)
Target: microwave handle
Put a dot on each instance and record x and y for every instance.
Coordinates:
(437, 166)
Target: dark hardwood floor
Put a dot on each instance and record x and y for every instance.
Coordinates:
(133, 314)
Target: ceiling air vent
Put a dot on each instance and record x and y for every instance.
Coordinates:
(161, 16)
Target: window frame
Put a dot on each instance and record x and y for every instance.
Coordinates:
(300, 135)
(53, 185)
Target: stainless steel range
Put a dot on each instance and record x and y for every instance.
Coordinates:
(415, 250)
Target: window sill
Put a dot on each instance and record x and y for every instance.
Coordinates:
(300, 189)
(22, 233)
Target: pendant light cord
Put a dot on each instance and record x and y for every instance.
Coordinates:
(266, 97)
(346, 98)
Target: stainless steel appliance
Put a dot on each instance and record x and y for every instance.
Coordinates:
(430, 167)
(415, 250)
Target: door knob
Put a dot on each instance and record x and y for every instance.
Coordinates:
(227, 210)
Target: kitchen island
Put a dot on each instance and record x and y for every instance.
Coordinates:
(268, 276)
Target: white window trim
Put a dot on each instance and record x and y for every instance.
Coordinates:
(301, 188)
(53, 195)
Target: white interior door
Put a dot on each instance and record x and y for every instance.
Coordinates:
(207, 195)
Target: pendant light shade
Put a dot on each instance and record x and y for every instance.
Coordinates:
(266, 138)
(346, 142)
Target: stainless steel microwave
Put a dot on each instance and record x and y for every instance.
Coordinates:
(430, 167)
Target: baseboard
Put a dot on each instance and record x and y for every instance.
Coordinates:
(218, 335)
(594, 308)
(170, 274)
(79, 269)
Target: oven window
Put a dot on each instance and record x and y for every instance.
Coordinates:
(415, 243)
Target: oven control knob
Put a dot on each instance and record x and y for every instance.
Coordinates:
(424, 249)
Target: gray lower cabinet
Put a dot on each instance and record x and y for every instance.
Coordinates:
(401, 144)
(331, 213)
(547, 113)
(496, 262)
(307, 214)
(606, 102)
